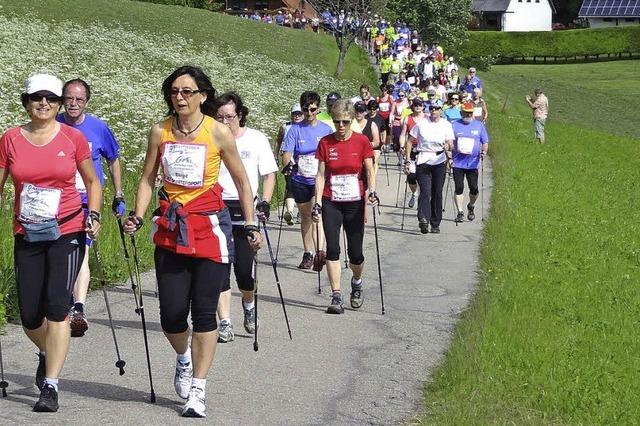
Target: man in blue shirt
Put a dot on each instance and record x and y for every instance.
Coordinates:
(402, 85)
(300, 144)
(76, 94)
(470, 146)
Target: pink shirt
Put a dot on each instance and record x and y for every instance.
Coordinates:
(541, 105)
(49, 166)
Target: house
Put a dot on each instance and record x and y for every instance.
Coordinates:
(610, 13)
(513, 15)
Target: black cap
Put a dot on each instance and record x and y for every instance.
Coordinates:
(332, 97)
(360, 107)
(417, 101)
(373, 104)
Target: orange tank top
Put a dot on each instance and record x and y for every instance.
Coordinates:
(192, 167)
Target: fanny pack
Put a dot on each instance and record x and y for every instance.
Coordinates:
(49, 230)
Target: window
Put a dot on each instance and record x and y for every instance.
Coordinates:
(629, 20)
(608, 20)
(537, 1)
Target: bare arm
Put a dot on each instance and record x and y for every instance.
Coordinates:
(268, 185)
(149, 171)
(403, 135)
(116, 175)
(371, 178)
(94, 192)
(3, 179)
(320, 182)
(279, 140)
(375, 136)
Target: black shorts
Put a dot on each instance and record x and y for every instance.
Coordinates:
(349, 215)
(243, 263)
(472, 180)
(302, 193)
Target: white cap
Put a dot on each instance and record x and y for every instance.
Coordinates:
(296, 108)
(43, 82)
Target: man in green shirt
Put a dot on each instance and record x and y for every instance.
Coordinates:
(385, 67)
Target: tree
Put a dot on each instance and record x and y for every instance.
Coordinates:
(444, 21)
(348, 20)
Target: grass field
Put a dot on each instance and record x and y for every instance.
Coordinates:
(552, 334)
(124, 50)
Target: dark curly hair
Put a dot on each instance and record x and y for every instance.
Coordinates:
(232, 98)
(202, 81)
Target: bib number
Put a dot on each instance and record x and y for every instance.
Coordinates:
(384, 107)
(80, 186)
(345, 188)
(39, 204)
(183, 164)
(465, 145)
(307, 166)
(477, 112)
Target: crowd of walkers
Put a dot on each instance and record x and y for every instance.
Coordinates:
(218, 180)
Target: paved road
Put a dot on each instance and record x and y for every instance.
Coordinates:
(356, 368)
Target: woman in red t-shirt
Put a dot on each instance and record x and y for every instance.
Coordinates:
(42, 157)
(340, 190)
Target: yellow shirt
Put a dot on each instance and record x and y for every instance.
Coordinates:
(385, 65)
(189, 167)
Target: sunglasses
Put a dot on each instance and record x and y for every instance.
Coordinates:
(186, 93)
(435, 108)
(339, 123)
(309, 109)
(455, 99)
(50, 97)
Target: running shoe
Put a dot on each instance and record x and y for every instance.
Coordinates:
(182, 379)
(336, 305)
(307, 261)
(249, 319)
(424, 226)
(288, 217)
(41, 372)
(470, 214)
(435, 229)
(298, 220)
(460, 217)
(78, 323)
(225, 332)
(319, 260)
(357, 297)
(48, 401)
(194, 407)
(412, 201)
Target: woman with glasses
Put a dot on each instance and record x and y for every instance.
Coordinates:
(408, 123)
(395, 121)
(42, 158)
(192, 227)
(434, 141)
(385, 101)
(300, 145)
(257, 158)
(340, 199)
(452, 108)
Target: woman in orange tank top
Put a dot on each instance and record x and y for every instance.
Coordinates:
(192, 227)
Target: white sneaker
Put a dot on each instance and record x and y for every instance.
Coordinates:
(182, 379)
(194, 407)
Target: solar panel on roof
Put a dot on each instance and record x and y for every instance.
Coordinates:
(609, 8)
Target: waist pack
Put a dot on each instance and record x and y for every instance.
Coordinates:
(49, 230)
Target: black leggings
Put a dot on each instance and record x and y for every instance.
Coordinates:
(472, 180)
(45, 274)
(185, 282)
(431, 181)
(350, 215)
(243, 264)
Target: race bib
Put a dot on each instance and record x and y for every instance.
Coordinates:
(38, 204)
(183, 164)
(384, 107)
(411, 80)
(307, 165)
(80, 186)
(345, 188)
(465, 145)
(477, 111)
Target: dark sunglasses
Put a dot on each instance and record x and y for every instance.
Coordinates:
(309, 109)
(186, 93)
(434, 108)
(50, 97)
(339, 123)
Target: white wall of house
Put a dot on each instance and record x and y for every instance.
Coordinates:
(527, 15)
(612, 22)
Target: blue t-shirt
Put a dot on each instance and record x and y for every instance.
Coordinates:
(302, 140)
(474, 130)
(453, 113)
(101, 141)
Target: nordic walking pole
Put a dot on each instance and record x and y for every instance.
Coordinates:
(275, 273)
(386, 166)
(3, 383)
(453, 202)
(142, 318)
(446, 191)
(482, 188)
(255, 301)
(317, 253)
(126, 258)
(346, 254)
(103, 284)
(375, 230)
(398, 189)
(404, 203)
(284, 206)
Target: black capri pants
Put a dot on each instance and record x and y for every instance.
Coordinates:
(472, 180)
(46, 272)
(349, 214)
(431, 180)
(188, 282)
(243, 264)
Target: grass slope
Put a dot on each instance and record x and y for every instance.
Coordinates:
(551, 336)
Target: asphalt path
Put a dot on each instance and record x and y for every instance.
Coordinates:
(358, 368)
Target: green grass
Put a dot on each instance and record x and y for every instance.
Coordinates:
(551, 336)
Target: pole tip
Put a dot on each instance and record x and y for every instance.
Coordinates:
(255, 346)
(153, 397)
(120, 364)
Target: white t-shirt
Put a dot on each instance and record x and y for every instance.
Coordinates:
(255, 153)
(431, 137)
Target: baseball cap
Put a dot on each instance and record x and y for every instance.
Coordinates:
(417, 101)
(431, 91)
(296, 108)
(332, 97)
(437, 103)
(467, 107)
(361, 107)
(42, 83)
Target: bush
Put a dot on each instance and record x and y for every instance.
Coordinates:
(552, 43)
(199, 4)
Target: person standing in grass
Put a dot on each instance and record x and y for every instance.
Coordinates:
(192, 227)
(540, 108)
(257, 158)
(76, 94)
(42, 158)
(470, 146)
